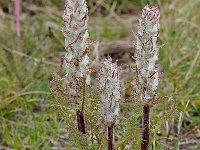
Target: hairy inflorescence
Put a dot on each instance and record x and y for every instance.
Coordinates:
(109, 87)
(76, 60)
(146, 53)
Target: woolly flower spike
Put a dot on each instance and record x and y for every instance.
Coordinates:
(76, 60)
(147, 52)
(109, 87)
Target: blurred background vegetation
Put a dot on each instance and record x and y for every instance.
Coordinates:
(26, 63)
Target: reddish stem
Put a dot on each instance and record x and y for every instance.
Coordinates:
(110, 137)
(80, 121)
(146, 128)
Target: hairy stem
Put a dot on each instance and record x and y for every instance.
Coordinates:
(110, 137)
(146, 127)
(80, 121)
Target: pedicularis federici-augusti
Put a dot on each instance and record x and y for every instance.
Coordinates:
(76, 66)
(76, 60)
(146, 55)
(110, 90)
